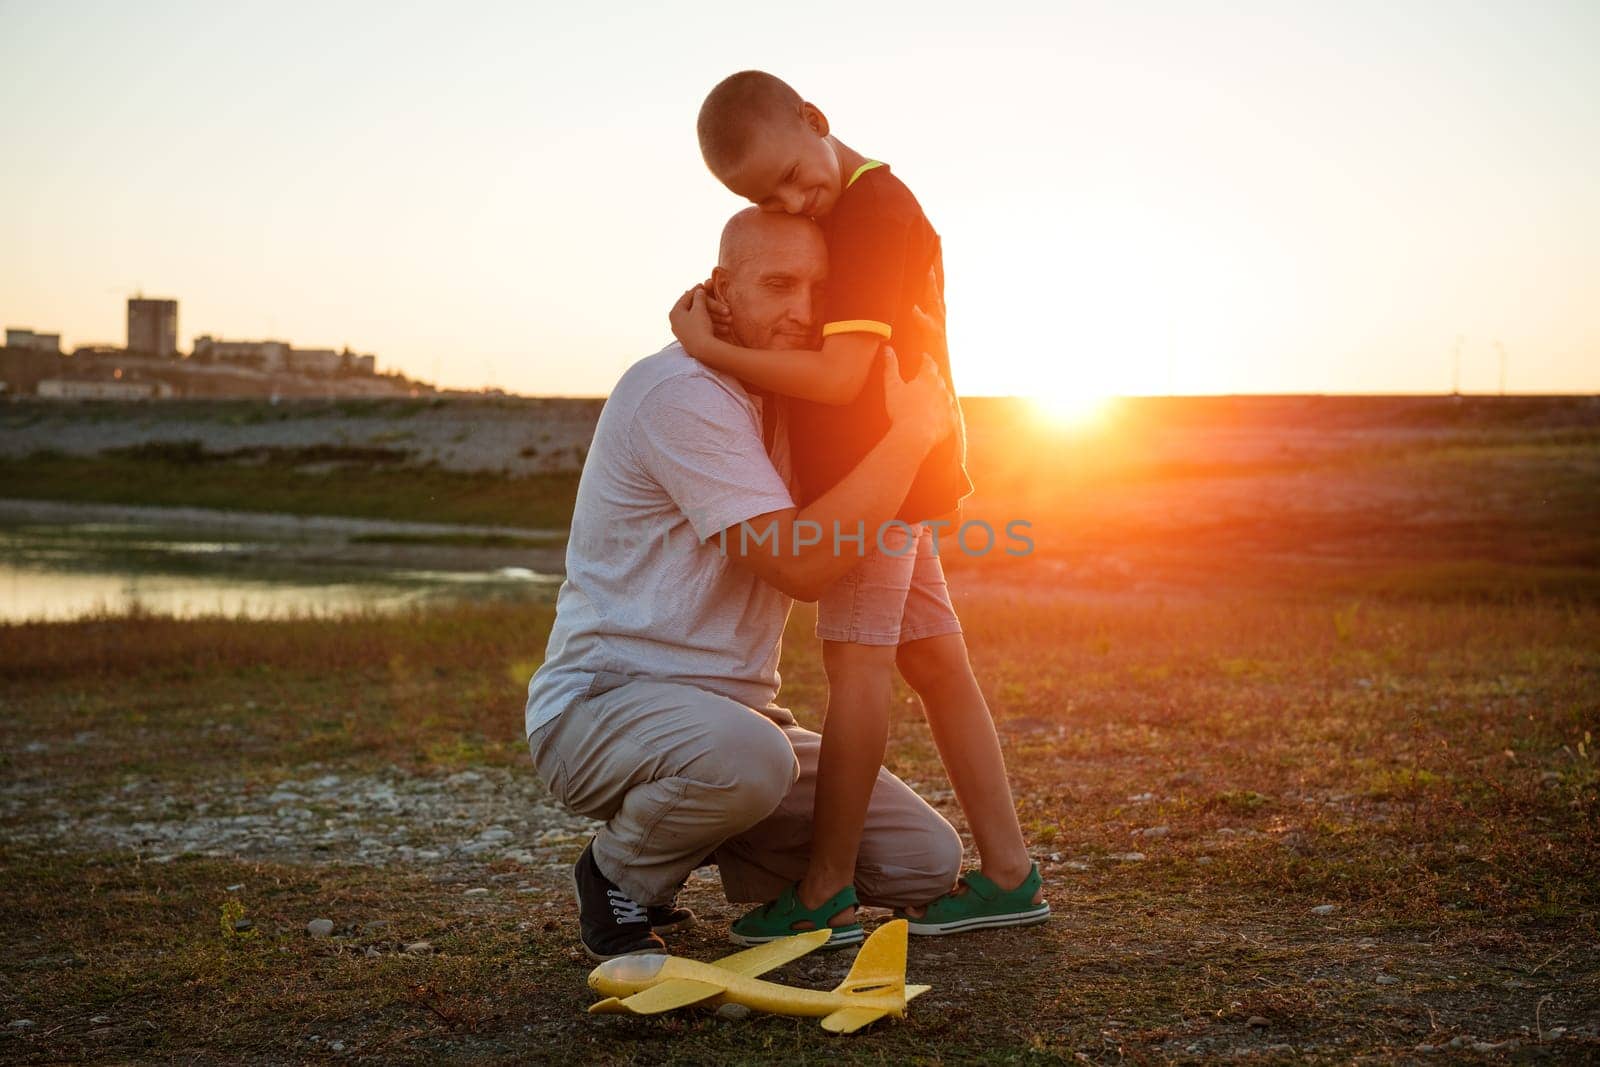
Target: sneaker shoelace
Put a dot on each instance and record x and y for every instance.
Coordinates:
(624, 908)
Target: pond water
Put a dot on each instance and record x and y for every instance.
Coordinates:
(67, 570)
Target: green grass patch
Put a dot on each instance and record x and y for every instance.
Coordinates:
(382, 491)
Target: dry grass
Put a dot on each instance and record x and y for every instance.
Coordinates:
(1423, 766)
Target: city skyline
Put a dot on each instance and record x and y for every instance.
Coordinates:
(1283, 199)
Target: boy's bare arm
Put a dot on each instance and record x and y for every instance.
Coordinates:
(795, 550)
(832, 375)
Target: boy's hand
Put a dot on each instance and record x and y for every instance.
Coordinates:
(691, 319)
(923, 407)
(721, 314)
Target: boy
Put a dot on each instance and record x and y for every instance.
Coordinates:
(762, 141)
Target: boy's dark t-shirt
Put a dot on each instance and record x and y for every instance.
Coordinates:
(884, 260)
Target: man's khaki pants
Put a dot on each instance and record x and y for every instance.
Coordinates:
(679, 774)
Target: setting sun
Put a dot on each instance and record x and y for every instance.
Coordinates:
(1073, 407)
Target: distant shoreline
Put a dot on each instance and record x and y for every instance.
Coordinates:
(53, 512)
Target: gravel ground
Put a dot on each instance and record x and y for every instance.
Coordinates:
(471, 818)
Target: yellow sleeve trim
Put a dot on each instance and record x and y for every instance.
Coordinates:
(882, 329)
(868, 165)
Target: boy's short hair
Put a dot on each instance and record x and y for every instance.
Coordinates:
(735, 108)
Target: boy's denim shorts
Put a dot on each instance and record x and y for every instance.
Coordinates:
(897, 593)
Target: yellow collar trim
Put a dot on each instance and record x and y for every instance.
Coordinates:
(868, 165)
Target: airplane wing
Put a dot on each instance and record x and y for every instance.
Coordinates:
(663, 996)
(763, 958)
(682, 992)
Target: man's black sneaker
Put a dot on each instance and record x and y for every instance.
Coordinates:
(665, 918)
(610, 923)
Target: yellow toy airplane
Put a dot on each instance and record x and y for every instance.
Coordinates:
(875, 987)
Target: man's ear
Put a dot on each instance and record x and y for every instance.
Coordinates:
(718, 284)
(813, 117)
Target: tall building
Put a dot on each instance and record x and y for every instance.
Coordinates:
(152, 326)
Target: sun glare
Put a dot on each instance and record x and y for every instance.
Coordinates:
(1072, 408)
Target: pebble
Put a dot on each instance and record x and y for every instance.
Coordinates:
(22, 1024)
(1127, 857)
(241, 925)
(476, 891)
(372, 953)
(319, 927)
(1425, 1049)
(1142, 798)
(1258, 1022)
(1388, 979)
(418, 948)
(1204, 859)
(337, 1046)
(236, 887)
(733, 1011)
(100, 1020)
(1324, 909)
(1153, 831)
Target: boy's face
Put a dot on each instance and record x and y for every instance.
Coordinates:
(789, 167)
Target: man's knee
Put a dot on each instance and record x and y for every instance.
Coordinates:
(763, 770)
(912, 867)
(943, 865)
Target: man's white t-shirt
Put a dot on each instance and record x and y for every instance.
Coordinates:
(677, 458)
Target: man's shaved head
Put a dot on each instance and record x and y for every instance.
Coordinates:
(770, 272)
(739, 105)
(752, 232)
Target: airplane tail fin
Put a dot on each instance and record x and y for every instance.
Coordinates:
(879, 970)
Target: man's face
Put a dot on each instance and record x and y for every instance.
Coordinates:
(774, 288)
(789, 167)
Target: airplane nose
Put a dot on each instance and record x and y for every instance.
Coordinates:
(640, 968)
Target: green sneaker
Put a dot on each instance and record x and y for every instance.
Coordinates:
(770, 922)
(980, 905)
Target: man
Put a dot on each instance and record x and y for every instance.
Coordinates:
(655, 708)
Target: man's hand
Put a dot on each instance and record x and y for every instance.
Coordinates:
(691, 319)
(922, 407)
(928, 332)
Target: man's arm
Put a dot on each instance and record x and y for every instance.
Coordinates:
(794, 549)
(833, 375)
